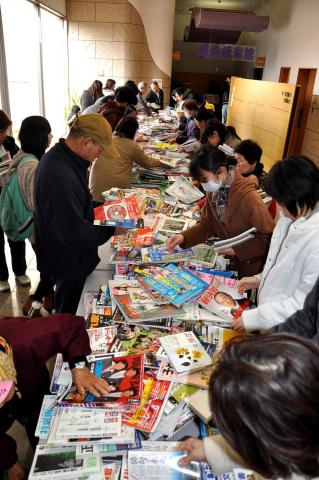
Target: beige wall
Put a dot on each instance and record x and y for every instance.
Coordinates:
(56, 5)
(107, 40)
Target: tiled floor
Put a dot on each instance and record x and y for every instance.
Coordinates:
(11, 306)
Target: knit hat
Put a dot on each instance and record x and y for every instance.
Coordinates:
(5, 388)
(95, 126)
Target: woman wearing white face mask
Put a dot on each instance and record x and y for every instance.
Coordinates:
(292, 265)
(232, 206)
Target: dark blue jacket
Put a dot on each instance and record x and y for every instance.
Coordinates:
(66, 239)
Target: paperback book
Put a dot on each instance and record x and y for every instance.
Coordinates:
(185, 352)
(101, 338)
(141, 237)
(122, 213)
(177, 285)
(124, 375)
(225, 301)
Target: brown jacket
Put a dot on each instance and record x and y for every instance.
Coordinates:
(107, 172)
(245, 210)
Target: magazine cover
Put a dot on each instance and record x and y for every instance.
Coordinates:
(200, 378)
(225, 301)
(123, 213)
(173, 225)
(146, 341)
(140, 237)
(146, 416)
(185, 352)
(205, 255)
(144, 311)
(160, 465)
(95, 320)
(63, 462)
(45, 417)
(124, 375)
(127, 255)
(101, 338)
(177, 285)
(161, 255)
(184, 191)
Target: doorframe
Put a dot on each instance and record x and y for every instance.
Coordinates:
(303, 117)
(284, 74)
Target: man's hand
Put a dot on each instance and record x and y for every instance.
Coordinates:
(85, 381)
(238, 325)
(16, 472)
(227, 251)
(194, 449)
(247, 283)
(173, 241)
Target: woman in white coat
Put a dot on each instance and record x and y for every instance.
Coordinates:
(292, 265)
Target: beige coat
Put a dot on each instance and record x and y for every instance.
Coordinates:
(107, 171)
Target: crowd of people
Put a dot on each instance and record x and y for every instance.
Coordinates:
(57, 187)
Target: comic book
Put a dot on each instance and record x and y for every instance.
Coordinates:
(146, 416)
(121, 213)
(177, 285)
(225, 301)
(123, 374)
(185, 352)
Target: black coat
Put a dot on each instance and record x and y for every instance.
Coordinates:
(304, 322)
(66, 239)
(152, 97)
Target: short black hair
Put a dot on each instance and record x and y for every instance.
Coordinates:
(178, 91)
(127, 127)
(214, 125)
(132, 85)
(5, 121)
(33, 135)
(250, 150)
(126, 95)
(209, 159)
(204, 114)
(190, 105)
(197, 97)
(293, 183)
(122, 360)
(264, 394)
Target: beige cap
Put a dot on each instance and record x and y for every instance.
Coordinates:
(95, 126)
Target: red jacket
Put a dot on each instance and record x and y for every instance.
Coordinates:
(34, 341)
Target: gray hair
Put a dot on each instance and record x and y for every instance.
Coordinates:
(142, 85)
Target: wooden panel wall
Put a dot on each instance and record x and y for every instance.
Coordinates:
(310, 146)
(258, 111)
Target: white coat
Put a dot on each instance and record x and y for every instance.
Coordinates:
(290, 272)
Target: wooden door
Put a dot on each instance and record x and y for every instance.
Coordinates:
(284, 74)
(305, 80)
(261, 111)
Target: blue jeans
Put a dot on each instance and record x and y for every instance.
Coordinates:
(224, 112)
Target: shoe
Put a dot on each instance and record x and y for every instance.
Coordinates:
(37, 310)
(4, 286)
(23, 280)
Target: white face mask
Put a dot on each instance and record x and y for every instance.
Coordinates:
(211, 186)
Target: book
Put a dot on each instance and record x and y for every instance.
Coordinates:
(200, 404)
(45, 417)
(170, 162)
(204, 255)
(161, 254)
(143, 311)
(219, 336)
(122, 213)
(173, 225)
(64, 462)
(185, 352)
(183, 190)
(225, 301)
(96, 320)
(146, 416)
(177, 285)
(127, 255)
(160, 465)
(101, 338)
(140, 237)
(123, 374)
(88, 422)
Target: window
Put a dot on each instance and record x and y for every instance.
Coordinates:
(36, 56)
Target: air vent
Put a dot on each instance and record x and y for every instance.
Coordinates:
(226, 20)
